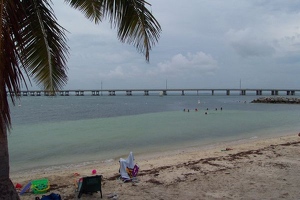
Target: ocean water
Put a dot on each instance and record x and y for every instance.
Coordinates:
(77, 130)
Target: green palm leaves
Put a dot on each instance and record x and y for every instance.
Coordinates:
(45, 48)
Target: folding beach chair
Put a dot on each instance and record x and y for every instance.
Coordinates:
(90, 185)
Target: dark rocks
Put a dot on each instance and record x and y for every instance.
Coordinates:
(281, 100)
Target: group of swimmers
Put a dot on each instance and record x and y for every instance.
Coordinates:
(196, 109)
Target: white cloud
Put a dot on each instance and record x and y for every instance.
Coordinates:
(191, 65)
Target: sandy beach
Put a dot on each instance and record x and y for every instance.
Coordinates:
(256, 169)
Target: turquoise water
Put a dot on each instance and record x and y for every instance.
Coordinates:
(68, 130)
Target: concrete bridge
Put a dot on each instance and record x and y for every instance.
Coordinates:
(161, 92)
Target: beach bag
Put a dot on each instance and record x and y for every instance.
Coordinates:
(51, 196)
(135, 170)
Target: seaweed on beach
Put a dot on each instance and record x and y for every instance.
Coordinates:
(56, 187)
(154, 181)
(112, 178)
(290, 143)
(154, 171)
(195, 165)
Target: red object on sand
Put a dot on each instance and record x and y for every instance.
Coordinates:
(18, 186)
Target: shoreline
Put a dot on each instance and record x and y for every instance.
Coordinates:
(141, 157)
(163, 175)
(169, 151)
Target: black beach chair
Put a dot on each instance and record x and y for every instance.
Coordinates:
(90, 185)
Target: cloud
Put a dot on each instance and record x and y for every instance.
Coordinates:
(253, 40)
(190, 64)
(247, 43)
(179, 67)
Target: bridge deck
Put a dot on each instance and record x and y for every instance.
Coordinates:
(162, 92)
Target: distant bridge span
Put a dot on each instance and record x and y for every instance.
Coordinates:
(162, 92)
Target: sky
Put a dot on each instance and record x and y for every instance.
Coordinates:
(203, 44)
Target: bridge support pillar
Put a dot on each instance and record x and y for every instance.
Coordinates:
(212, 92)
(274, 92)
(146, 92)
(182, 92)
(243, 92)
(47, 93)
(79, 93)
(112, 93)
(292, 92)
(165, 92)
(95, 93)
(227, 92)
(129, 93)
(258, 92)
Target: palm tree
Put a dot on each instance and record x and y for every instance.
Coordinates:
(33, 44)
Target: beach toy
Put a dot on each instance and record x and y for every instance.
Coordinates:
(26, 188)
(94, 171)
(40, 186)
(18, 186)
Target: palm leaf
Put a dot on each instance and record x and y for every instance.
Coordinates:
(45, 49)
(92, 9)
(11, 77)
(135, 23)
(31, 43)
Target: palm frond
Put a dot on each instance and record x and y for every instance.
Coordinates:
(45, 51)
(31, 42)
(137, 26)
(11, 77)
(92, 9)
(135, 23)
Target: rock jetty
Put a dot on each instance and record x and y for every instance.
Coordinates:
(283, 100)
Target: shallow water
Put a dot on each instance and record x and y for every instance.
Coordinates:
(65, 130)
